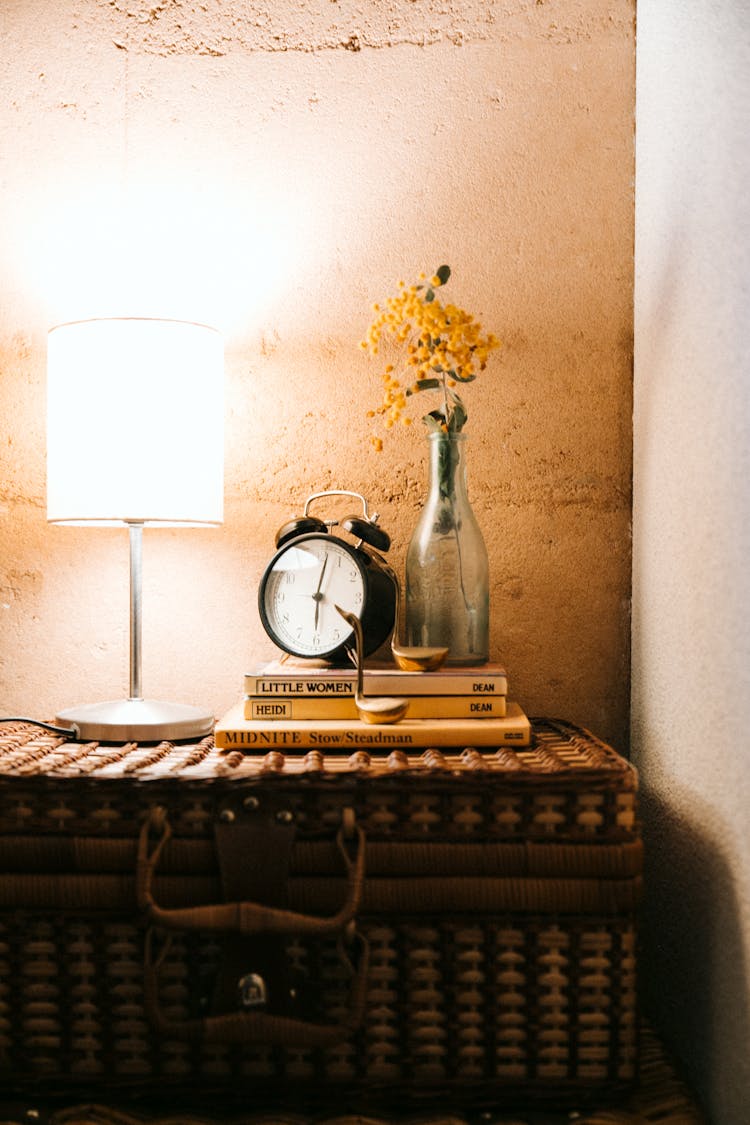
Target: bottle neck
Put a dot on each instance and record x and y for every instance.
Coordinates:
(447, 467)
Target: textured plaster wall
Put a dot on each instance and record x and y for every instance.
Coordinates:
(691, 535)
(274, 169)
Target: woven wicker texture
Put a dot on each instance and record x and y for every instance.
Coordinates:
(495, 906)
(567, 786)
(660, 1098)
(558, 748)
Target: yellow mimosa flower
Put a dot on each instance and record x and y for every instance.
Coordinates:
(444, 346)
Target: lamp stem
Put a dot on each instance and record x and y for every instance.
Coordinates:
(136, 719)
(135, 532)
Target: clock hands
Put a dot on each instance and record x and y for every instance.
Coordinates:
(318, 596)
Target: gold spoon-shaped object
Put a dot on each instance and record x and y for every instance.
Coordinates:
(371, 708)
(412, 658)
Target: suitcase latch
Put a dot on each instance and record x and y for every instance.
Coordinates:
(252, 991)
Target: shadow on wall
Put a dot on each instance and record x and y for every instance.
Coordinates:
(695, 983)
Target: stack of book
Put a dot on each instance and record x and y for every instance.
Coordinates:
(291, 705)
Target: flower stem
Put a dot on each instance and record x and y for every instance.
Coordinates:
(447, 466)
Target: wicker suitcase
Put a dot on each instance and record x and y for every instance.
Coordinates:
(180, 920)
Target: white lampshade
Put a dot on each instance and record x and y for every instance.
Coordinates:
(135, 422)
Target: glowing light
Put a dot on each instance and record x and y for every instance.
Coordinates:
(135, 422)
(164, 250)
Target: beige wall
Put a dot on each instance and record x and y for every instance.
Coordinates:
(273, 169)
(691, 534)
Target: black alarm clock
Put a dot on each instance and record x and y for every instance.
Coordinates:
(315, 570)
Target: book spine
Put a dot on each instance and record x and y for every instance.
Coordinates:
(402, 683)
(344, 707)
(261, 737)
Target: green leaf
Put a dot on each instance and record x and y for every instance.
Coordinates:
(434, 421)
(458, 417)
(443, 273)
(429, 296)
(424, 385)
(462, 378)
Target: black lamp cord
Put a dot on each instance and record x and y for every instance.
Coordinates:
(71, 732)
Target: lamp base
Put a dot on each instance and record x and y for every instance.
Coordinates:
(136, 720)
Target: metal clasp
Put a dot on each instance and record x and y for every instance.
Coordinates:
(252, 991)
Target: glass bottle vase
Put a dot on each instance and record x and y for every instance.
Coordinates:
(447, 569)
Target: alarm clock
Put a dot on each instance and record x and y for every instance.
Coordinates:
(315, 570)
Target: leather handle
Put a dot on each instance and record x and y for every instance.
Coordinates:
(245, 917)
(255, 1027)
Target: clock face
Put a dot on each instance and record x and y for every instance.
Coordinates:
(300, 591)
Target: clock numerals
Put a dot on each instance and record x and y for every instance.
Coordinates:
(302, 589)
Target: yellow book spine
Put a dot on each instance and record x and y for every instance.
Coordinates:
(344, 707)
(293, 680)
(235, 732)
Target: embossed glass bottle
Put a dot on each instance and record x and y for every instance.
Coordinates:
(447, 569)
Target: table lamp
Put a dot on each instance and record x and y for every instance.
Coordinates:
(135, 419)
